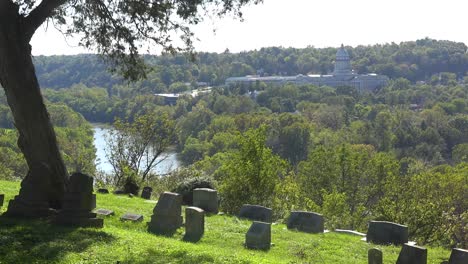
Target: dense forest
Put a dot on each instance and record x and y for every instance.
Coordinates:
(397, 154)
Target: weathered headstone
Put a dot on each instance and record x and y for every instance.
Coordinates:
(194, 223)
(206, 199)
(32, 200)
(146, 193)
(131, 217)
(306, 221)
(166, 216)
(412, 255)
(104, 212)
(2, 198)
(374, 256)
(256, 213)
(381, 232)
(258, 236)
(458, 256)
(78, 203)
(103, 191)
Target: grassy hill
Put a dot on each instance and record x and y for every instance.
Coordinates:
(34, 241)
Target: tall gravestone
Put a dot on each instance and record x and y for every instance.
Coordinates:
(374, 256)
(412, 255)
(146, 193)
(458, 256)
(381, 232)
(206, 199)
(167, 214)
(78, 203)
(32, 200)
(194, 224)
(258, 236)
(256, 213)
(306, 222)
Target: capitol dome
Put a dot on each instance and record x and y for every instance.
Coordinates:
(342, 62)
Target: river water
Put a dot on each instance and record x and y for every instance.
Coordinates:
(102, 163)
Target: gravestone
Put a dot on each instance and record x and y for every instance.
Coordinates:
(93, 201)
(256, 213)
(381, 232)
(32, 200)
(412, 255)
(374, 256)
(206, 199)
(258, 236)
(306, 221)
(2, 198)
(78, 203)
(166, 216)
(103, 191)
(146, 193)
(194, 224)
(131, 217)
(104, 212)
(458, 256)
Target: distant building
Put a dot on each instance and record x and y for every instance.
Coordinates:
(171, 98)
(343, 75)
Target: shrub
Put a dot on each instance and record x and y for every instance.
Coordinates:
(186, 188)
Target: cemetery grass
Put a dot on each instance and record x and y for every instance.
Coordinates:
(37, 241)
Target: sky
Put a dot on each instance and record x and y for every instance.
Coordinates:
(318, 23)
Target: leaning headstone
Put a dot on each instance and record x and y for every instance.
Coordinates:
(258, 236)
(104, 212)
(381, 232)
(103, 191)
(131, 217)
(78, 203)
(167, 214)
(146, 193)
(194, 224)
(374, 256)
(458, 256)
(412, 255)
(2, 198)
(306, 222)
(206, 199)
(32, 200)
(256, 213)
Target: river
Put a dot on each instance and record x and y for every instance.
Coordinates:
(102, 163)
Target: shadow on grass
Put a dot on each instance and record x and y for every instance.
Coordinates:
(37, 241)
(180, 256)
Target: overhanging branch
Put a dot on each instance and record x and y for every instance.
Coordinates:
(39, 15)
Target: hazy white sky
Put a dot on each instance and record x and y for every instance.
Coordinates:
(319, 23)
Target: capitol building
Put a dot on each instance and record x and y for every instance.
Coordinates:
(343, 75)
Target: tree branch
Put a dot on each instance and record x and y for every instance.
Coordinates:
(39, 15)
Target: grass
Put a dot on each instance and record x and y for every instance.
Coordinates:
(37, 241)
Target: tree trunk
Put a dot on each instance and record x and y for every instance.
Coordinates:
(37, 138)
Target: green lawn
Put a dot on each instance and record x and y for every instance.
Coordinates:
(34, 241)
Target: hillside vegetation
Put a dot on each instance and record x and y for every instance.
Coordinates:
(26, 241)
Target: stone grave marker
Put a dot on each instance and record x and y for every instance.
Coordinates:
(381, 232)
(374, 256)
(104, 212)
(2, 198)
(194, 224)
(103, 191)
(32, 200)
(256, 213)
(412, 255)
(131, 217)
(458, 256)
(146, 193)
(206, 199)
(306, 222)
(78, 203)
(167, 214)
(258, 236)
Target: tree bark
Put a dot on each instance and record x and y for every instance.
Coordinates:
(37, 138)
